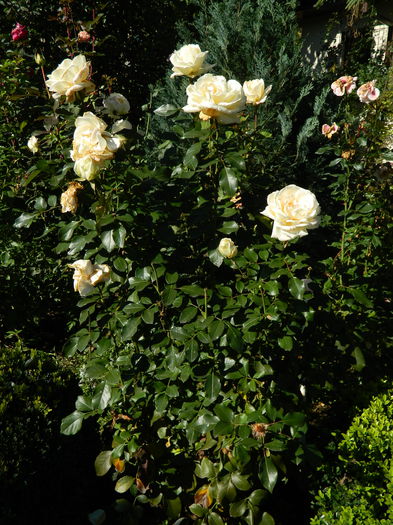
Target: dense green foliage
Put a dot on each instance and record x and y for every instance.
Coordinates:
(363, 494)
(216, 381)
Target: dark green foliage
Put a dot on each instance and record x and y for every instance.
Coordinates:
(360, 491)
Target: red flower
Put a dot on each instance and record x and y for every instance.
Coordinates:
(19, 32)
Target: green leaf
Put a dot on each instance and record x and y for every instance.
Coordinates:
(224, 413)
(267, 519)
(214, 519)
(119, 236)
(238, 508)
(166, 110)
(71, 424)
(216, 258)
(198, 510)
(240, 481)
(286, 343)
(71, 347)
(108, 240)
(360, 361)
(188, 313)
(148, 316)
(228, 182)
(103, 462)
(360, 297)
(24, 220)
(268, 474)
(229, 227)
(123, 484)
(102, 396)
(213, 387)
(296, 287)
(216, 328)
(129, 330)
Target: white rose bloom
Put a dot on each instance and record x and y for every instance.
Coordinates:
(116, 104)
(69, 77)
(227, 248)
(87, 275)
(189, 61)
(294, 210)
(255, 91)
(92, 145)
(215, 97)
(32, 144)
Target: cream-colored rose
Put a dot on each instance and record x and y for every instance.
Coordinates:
(87, 275)
(368, 92)
(69, 198)
(116, 104)
(342, 85)
(70, 77)
(294, 210)
(92, 145)
(32, 144)
(255, 91)
(215, 97)
(189, 61)
(227, 248)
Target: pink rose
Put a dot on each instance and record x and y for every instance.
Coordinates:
(343, 85)
(19, 32)
(83, 36)
(328, 131)
(368, 92)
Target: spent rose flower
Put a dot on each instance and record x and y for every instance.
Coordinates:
(329, 131)
(116, 104)
(69, 198)
(92, 145)
(19, 32)
(227, 248)
(215, 97)
(32, 144)
(189, 61)
(255, 91)
(342, 85)
(294, 210)
(87, 275)
(70, 77)
(368, 92)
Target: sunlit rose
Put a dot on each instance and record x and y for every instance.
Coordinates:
(83, 36)
(19, 32)
(227, 248)
(116, 104)
(294, 210)
(342, 85)
(368, 92)
(92, 145)
(189, 61)
(255, 91)
(32, 144)
(70, 77)
(212, 96)
(69, 198)
(87, 275)
(329, 131)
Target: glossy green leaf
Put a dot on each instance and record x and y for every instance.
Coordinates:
(268, 473)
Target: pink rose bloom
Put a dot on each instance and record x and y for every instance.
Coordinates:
(83, 36)
(328, 131)
(19, 32)
(344, 85)
(368, 92)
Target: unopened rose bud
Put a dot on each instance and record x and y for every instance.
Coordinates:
(39, 59)
(227, 248)
(83, 36)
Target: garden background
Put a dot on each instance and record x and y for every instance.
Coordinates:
(202, 370)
